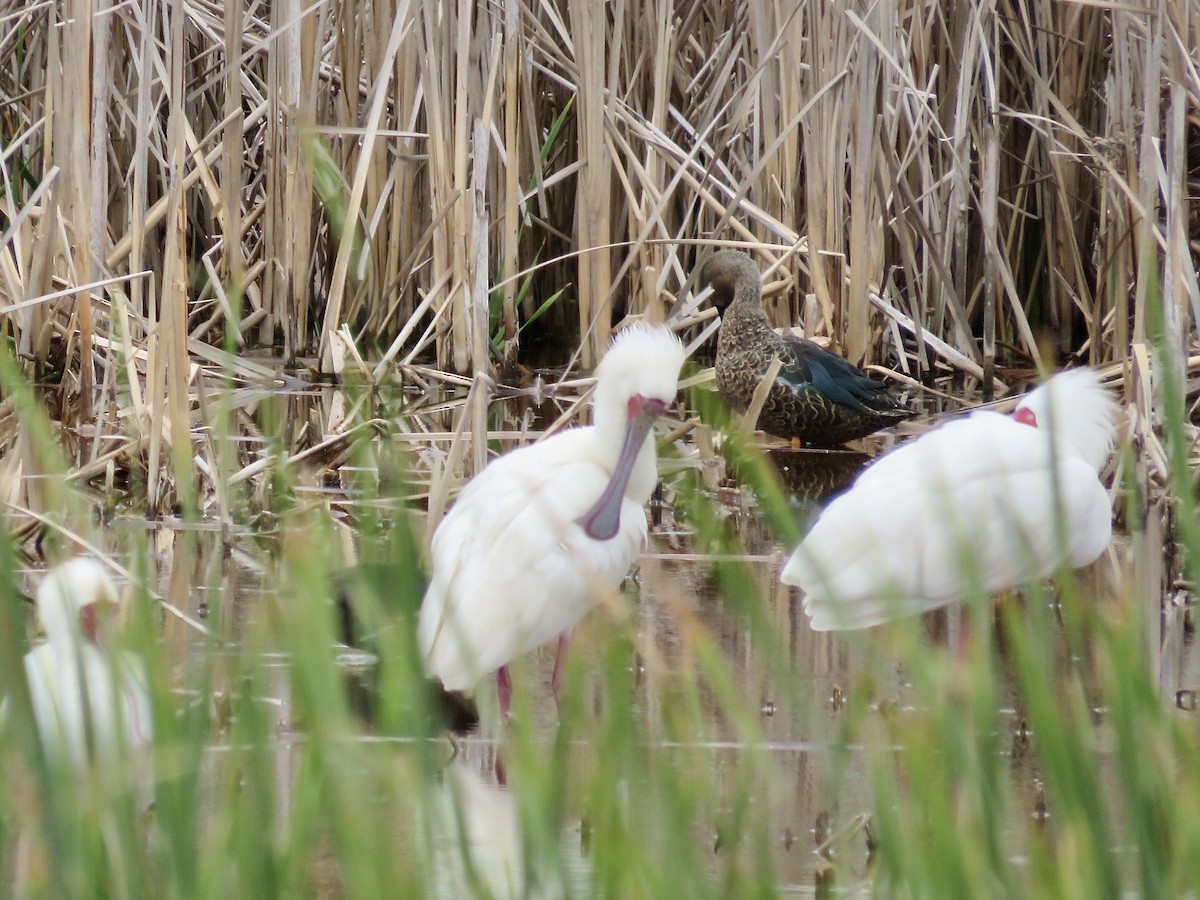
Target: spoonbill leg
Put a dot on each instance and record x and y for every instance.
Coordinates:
(504, 690)
(556, 677)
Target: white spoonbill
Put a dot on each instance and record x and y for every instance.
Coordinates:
(89, 703)
(984, 502)
(535, 539)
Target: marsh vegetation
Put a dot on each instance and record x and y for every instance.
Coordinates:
(275, 279)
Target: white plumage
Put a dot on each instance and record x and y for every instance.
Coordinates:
(534, 538)
(984, 502)
(89, 704)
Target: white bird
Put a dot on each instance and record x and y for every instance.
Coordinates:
(536, 538)
(90, 703)
(981, 503)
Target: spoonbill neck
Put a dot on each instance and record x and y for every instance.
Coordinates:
(603, 520)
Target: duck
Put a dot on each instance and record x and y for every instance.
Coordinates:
(818, 398)
(90, 702)
(979, 504)
(538, 537)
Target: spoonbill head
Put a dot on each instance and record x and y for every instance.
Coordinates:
(636, 381)
(1076, 409)
(89, 701)
(73, 600)
(536, 538)
(984, 502)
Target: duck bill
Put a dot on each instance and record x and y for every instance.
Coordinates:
(603, 520)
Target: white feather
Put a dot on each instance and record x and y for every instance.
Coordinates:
(88, 704)
(512, 568)
(982, 503)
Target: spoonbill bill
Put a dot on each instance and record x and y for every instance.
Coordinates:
(989, 501)
(90, 702)
(537, 537)
(817, 397)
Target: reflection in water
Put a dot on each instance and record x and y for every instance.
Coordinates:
(819, 787)
(804, 802)
(478, 847)
(816, 474)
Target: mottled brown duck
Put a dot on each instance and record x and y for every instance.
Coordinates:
(818, 397)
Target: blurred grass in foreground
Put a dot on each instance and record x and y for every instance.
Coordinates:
(268, 784)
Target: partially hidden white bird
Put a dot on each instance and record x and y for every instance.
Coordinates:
(90, 702)
(537, 537)
(982, 503)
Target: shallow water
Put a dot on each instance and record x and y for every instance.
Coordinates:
(804, 691)
(672, 593)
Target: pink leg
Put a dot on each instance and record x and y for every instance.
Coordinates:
(556, 676)
(962, 649)
(504, 691)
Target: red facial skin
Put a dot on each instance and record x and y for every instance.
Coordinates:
(1025, 416)
(92, 618)
(639, 405)
(88, 623)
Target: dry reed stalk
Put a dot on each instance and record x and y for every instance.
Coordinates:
(865, 237)
(759, 397)
(989, 201)
(1152, 310)
(511, 215)
(478, 289)
(175, 292)
(233, 262)
(825, 128)
(349, 238)
(84, 101)
(593, 195)
(1180, 292)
